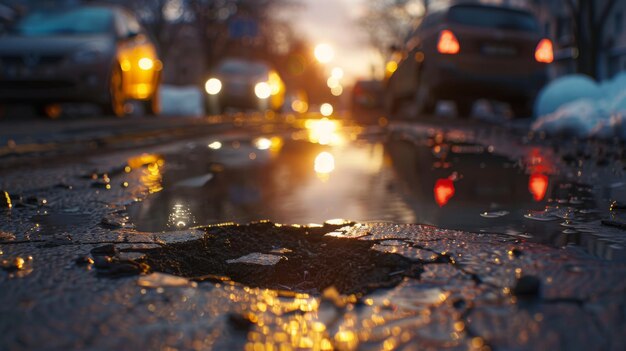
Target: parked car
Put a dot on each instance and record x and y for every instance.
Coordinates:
(466, 51)
(244, 84)
(97, 54)
(366, 100)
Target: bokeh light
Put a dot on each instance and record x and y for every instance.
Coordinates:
(324, 163)
(326, 109)
(262, 90)
(332, 82)
(213, 86)
(336, 90)
(324, 53)
(337, 73)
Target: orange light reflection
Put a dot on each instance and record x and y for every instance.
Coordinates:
(538, 185)
(324, 131)
(444, 191)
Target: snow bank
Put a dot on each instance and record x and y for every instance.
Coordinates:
(579, 106)
(181, 101)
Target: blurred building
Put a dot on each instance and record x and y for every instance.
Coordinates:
(559, 25)
(184, 61)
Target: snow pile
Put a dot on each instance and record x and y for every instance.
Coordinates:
(181, 101)
(579, 106)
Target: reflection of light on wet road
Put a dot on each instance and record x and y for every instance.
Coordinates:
(180, 217)
(324, 131)
(538, 185)
(444, 191)
(151, 176)
(324, 164)
(301, 330)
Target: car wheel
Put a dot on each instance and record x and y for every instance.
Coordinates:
(522, 109)
(152, 106)
(464, 108)
(116, 102)
(390, 105)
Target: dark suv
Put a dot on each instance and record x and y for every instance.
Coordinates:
(469, 51)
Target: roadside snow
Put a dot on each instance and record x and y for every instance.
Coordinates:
(579, 106)
(181, 101)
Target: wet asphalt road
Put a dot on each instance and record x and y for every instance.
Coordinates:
(523, 205)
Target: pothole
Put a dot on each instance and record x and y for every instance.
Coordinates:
(299, 259)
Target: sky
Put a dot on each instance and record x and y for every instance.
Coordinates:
(334, 22)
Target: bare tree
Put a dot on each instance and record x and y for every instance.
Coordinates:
(387, 22)
(589, 29)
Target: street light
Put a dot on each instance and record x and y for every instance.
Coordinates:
(326, 109)
(324, 53)
(337, 73)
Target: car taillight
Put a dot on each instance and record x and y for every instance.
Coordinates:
(448, 43)
(544, 51)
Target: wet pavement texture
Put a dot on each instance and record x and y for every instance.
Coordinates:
(130, 250)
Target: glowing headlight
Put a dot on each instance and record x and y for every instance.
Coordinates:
(262, 90)
(145, 63)
(213, 86)
(262, 143)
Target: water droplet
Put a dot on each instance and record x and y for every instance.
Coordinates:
(494, 214)
(542, 216)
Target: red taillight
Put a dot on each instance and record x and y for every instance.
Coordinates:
(448, 43)
(544, 51)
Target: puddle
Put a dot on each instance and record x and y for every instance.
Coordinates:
(54, 222)
(325, 171)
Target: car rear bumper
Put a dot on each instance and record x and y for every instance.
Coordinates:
(450, 82)
(67, 84)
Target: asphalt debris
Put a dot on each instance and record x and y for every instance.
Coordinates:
(313, 263)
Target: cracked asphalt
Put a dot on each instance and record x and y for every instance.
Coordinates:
(95, 257)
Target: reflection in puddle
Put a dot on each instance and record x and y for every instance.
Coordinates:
(151, 165)
(538, 185)
(324, 131)
(180, 217)
(439, 179)
(324, 164)
(444, 191)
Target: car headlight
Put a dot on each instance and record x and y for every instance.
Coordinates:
(262, 90)
(213, 86)
(87, 56)
(145, 63)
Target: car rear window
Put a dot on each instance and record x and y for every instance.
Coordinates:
(242, 67)
(493, 17)
(73, 22)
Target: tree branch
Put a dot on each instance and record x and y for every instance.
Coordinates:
(605, 12)
(571, 5)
